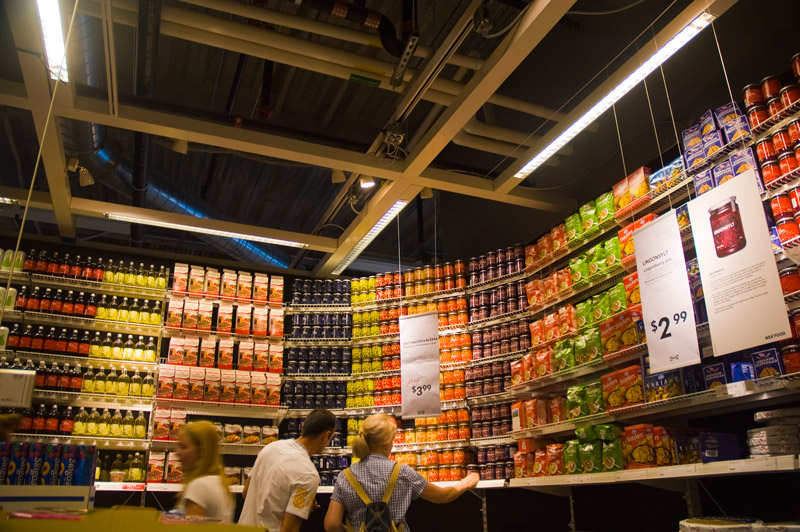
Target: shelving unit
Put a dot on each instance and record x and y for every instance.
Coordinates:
(102, 442)
(224, 448)
(202, 408)
(82, 285)
(145, 404)
(108, 363)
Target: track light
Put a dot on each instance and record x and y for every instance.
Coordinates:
(370, 236)
(53, 34)
(180, 146)
(85, 177)
(366, 181)
(337, 176)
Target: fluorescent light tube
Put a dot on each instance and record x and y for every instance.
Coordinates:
(50, 19)
(370, 236)
(664, 53)
(203, 230)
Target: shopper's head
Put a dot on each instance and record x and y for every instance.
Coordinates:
(318, 429)
(375, 435)
(198, 450)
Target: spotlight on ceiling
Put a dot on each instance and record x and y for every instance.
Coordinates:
(366, 181)
(426, 193)
(180, 146)
(337, 176)
(85, 177)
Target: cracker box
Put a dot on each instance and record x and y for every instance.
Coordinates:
(557, 408)
(276, 322)
(537, 332)
(276, 358)
(694, 156)
(180, 278)
(707, 123)
(714, 375)
(174, 473)
(161, 424)
(227, 389)
(727, 113)
(166, 382)
(225, 354)
(269, 435)
(712, 143)
(260, 288)
(638, 447)
(664, 385)
(666, 177)
(273, 389)
(703, 182)
(261, 356)
(175, 312)
(258, 384)
(621, 331)
(638, 183)
(156, 464)
(190, 313)
(276, 289)
(666, 453)
(197, 277)
(5, 460)
(516, 373)
(531, 256)
(631, 385)
(691, 137)
(518, 421)
(244, 286)
(744, 160)
(197, 384)
(205, 312)
(225, 318)
(208, 353)
(722, 172)
(181, 390)
(212, 385)
(245, 360)
(622, 195)
(229, 284)
(260, 321)
(244, 319)
(767, 363)
(191, 350)
(544, 364)
(243, 387)
(612, 394)
(535, 412)
(736, 129)
(625, 236)
(212, 283)
(717, 447)
(176, 351)
(177, 419)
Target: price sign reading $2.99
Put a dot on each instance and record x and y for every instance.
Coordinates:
(664, 323)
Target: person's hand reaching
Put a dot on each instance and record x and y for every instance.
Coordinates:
(470, 481)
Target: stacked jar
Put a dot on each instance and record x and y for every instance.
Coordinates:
(364, 393)
(318, 394)
(383, 356)
(438, 465)
(327, 360)
(502, 300)
(496, 462)
(452, 384)
(329, 466)
(363, 290)
(291, 427)
(490, 421)
(388, 286)
(451, 425)
(428, 280)
(789, 276)
(496, 264)
(320, 292)
(377, 322)
(501, 340)
(322, 326)
(488, 379)
(455, 348)
(452, 312)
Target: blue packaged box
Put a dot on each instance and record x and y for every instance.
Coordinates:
(775, 239)
(744, 160)
(722, 172)
(666, 177)
(742, 371)
(664, 385)
(694, 156)
(693, 379)
(68, 466)
(703, 182)
(714, 376)
(712, 143)
(736, 129)
(718, 447)
(767, 363)
(707, 123)
(691, 137)
(35, 461)
(727, 113)
(52, 461)
(18, 463)
(5, 459)
(85, 468)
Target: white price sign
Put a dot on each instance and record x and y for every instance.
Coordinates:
(419, 365)
(666, 298)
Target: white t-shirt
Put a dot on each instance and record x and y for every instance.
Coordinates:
(212, 495)
(282, 480)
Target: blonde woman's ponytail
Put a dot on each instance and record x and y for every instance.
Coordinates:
(374, 435)
(360, 445)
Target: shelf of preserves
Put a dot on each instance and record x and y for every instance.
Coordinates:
(490, 399)
(91, 400)
(756, 464)
(119, 486)
(376, 374)
(224, 448)
(364, 411)
(318, 376)
(108, 363)
(499, 320)
(434, 296)
(44, 318)
(307, 309)
(180, 331)
(102, 442)
(67, 283)
(775, 122)
(498, 281)
(367, 340)
(454, 329)
(555, 381)
(783, 184)
(453, 365)
(377, 304)
(322, 342)
(160, 487)
(303, 412)
(491, 441)
(499, 358)
(448, 444)
(551, 259)
(454, 404)
(203, 408)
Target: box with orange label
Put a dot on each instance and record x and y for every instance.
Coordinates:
(622, 195)
(631, 284)
(622, 331)
(639, 183)
(535, 412)
(531, 256)
(518, 421)
(533, 291)
(516, 372)
(638, 447)
(528, 368)
(630, 385)
(544, 363)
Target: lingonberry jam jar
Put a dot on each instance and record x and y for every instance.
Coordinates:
(765, 150)
(752, 95)
(726, 227)
(770, 87)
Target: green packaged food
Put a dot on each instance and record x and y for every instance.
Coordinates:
(572, 458)
(564, 354)
(607, 432)
(612, 455)
(605, 206)
(591, 457)
(578, 269)
(613, 252)
(588, 216)
(574, 226)
(601, 308)
(594, 397)
(598, 263)
(586, 434)
(580, 350)
(594, 344)
(576, 403)
(616, 298)
(583, 314)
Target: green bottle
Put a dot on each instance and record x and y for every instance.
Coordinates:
(116, 425)
(124, 310)
(87, 386)
(138, 350)
(136, 384)
(161, 280)
(123, 383)
(95, 347)
(92, 422)
(151, 277)
(104, 423)
(137, 468)
(101, 312)
(148, 385)
(116, 348)
(127, 349)
(100, 380)
(130, 275)
(79, 423)
(150, 350)
(141, 276)
(105, 347)
(133, 313)
(144, 312)
(119, 273)
(111, 382)
(140, 427)
(155, 314)
(127, 425)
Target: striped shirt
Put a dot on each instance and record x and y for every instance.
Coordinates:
(373, 474)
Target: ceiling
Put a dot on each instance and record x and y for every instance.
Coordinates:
(275, 98)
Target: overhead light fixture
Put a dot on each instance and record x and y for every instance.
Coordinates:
(50, 19)
(180, 146)
(85, 177)
(8, 201)
(203, 230)
(664, 53)
(370, 236)
(366, 181)
(337, 176)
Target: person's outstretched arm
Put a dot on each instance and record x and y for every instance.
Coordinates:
(335, 517)
(439, 495)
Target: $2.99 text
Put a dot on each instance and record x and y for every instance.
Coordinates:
(678, 317)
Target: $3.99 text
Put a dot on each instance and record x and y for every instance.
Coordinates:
(418, 390)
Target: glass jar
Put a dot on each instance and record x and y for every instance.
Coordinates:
(790, 280)
(727, 228)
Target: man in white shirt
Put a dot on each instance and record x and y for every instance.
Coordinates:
(280, 492)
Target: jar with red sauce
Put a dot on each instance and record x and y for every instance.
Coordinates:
(796, 65)
(774, 106)
(794, 131)
(789, 95)
(765, 149)
(727, 228)
(794, 198)
(757, 114)
(770, 170)
(790, 279)
(781, 141)
(787, 162)
(752, 95)
(781, 206)
(787, 229)
(770, 87)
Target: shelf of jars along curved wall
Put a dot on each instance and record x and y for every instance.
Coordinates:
(656, 201)
(313, 309)
(207, 408)
(498, 358)
(92, 400)
(224, 448)
(38, 279)
(102, 442)
(497, 281)
(430, 445)
(316, 342)
(408, 300)
(109, 363)
(491, 441)
(180, 331)
(44, 318)
(306, 377)
(396, 409)
(482, 400)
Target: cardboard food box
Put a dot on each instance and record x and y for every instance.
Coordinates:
(166, 382)
(691, 137)
(722, 172)
(181, 390)
(190, 313)
(276, 358)
(175, 312)
(703, 182)
(174, 474)
(276, 289)
(631, 284)
(622, 195)
(225, 318)
(212, 283)
(208, 353)
(638, 183)
(176, 351)
(518, 421)
(622, 331)
(225, 354)
(260, 321)
(177, 419)
(260, 288)
(273, 389)
(227, 390)
(191, 349)
(245, 360)
(212, 385)
(712, 143)
(197, 384)
(638, 447)
(276, 322)
(625, 236)
(666, 452)
(180, 278)
(229, 284)
(261, 356)
(244, 319)
(156, 464)
(243, 387)
(630, 385)
(258, 384)
(244, 286)
(197, 277)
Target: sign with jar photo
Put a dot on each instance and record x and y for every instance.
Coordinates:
(739, 277)
(419, 365)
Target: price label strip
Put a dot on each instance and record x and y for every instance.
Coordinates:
(419, 365)
(666, 298)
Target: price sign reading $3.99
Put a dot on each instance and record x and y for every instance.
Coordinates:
(664, 323)
(422, 388)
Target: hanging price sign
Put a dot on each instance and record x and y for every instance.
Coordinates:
(666, 299)
(419, 365)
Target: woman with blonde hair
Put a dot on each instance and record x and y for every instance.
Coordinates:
(374, 473)
(205, 491)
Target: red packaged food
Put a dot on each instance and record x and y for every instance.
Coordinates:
(535, 412)
(181, 390)
(166, 381)
(540, 463)
(212, 385)
(261, 356)
(537, 332)
(523, 464)
(276, 359)
(564, 279)
(550, 327)
(243, 389)
(558, 238)
(191, 349)
(176, 351)
(531, 255)
(243, 319)
(544, 247)
(225, 357)
(516, 372)
(533, 290)
(227, 390)
(208, 352)
(528, 367)
(631, 283)
(550, 286)
(544, 362)
(245, 362)
(557, 407)
(555, 459)
(258, 384)
(225, 318)
(638, 447)
(567, 320)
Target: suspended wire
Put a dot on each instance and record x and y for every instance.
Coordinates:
(607, 12)
(509, 26)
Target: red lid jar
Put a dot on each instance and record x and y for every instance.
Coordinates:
(770, 170)
(727, 228)
(789, 95)
(770, 86)
(752, 95)
(787, 229)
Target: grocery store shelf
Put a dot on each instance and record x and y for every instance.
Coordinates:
(783, 184)
(306, 309)
(318, 376)
(216, 300)
(362, 340)
(491, 399)
(16, 277)
(721, 154)
(454, 404)
(45, 318)
(96, 286)
(108, 363)
(551, 259)
(377, 304)
(449, 444)
(369, 410)
(434, 296)
(119, 486)
(772, 464)
(500, 358)
(322, 342)
(775, 122)
(657, 203)
(454, 329)
(202, 408)
(163, 487)
(499, 320)
(12, 315)
(494, 283)
(224, 448)
(453, 365)
(491, 441)
(180, 331)
(593, 285)
(303, 412)
(102, 442)
(91, 400)
(376, 374)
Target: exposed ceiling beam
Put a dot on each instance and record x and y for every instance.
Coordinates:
(506, 182)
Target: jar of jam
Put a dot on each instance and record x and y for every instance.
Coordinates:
(796, 65)
(770, 170)
(765, 150)
(774, 106)
(794, 131)
(787, 229)
(757, 114)
(433, 474)
(781, 141)
(770, 86)
(791, 358)
(752, 95)
(790, 280)
(789, 95)
(781, 206)
(794, 322)
(787, 163)
(727, 228)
